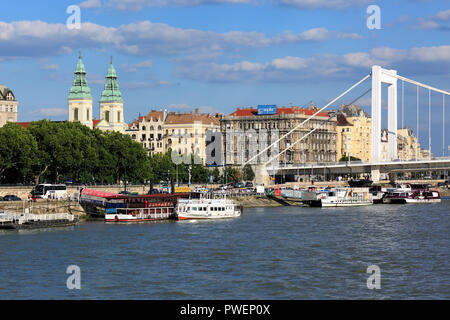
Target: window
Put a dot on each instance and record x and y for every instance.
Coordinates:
(118, 116)
(75, 114)
(107, 116)
(87, 114)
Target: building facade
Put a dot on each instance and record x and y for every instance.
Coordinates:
(239, 127)
(8, 106)
(354, 137)
(159, 131)
(186, 132)
(148, 130)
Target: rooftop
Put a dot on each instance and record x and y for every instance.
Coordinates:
(280, 110)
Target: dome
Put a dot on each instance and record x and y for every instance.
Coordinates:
(6, 93)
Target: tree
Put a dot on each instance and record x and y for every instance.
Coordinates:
(17, 154)
(345, 158)
(248, 173)
(231, 174)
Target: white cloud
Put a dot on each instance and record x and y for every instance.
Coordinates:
(134, 5)
(409, 62)
(322, 4)
(147, 84)
(134, 67)
(49, 67)
(436, 22)
(49, 112)
(37, 38)
(89, 4)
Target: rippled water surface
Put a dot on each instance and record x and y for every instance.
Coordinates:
(268, 253)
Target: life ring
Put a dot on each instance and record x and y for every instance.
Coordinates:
(116, 219)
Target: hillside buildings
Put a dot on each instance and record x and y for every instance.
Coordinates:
(8, 106)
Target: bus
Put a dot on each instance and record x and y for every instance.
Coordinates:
(50, 191)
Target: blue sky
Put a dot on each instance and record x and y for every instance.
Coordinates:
(221, 54)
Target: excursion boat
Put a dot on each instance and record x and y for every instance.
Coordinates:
(377, 194)
(207, 208)
(415, 196)
(130, 208)
(347, 197)
(160, 211)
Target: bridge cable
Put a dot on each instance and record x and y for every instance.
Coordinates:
(302, 123)
(324, 122)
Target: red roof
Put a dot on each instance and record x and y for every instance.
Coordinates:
(24, 124)
(95, 121)
(282, 110)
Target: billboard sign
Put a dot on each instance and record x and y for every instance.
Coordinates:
(267, 109)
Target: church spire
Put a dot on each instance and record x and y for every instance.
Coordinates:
(111, 92)
(80, 88)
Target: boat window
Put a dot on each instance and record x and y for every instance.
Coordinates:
(194, 208)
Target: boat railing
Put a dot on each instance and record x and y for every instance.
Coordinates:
(154, 212)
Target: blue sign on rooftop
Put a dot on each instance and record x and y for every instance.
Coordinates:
(267, 109)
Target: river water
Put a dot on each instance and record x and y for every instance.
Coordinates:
(267, 253)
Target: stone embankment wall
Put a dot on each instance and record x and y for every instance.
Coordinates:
(43, 207)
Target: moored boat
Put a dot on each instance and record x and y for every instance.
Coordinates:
(207, 208)
(347, 197)
(416, 196)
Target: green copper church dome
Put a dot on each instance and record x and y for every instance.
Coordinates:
(80, 89)
(111, 92)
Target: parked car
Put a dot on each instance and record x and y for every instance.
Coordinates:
(153, 191)
(11, 197)
(239, 185)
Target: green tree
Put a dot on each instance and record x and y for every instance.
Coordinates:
(345, 158)
(17, 154)
(248, 173)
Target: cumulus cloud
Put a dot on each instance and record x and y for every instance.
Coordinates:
(40, 39)
(440, 21)
(322, 4)
(134, 5)
(409, 62)
(135, 67)
(49, 112)
(89, 4)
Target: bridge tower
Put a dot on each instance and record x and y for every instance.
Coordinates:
(380, 76)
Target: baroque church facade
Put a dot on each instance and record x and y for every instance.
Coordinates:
(80, 101)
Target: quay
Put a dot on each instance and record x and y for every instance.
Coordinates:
(34, 221)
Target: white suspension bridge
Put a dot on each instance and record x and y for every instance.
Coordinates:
(377, 166)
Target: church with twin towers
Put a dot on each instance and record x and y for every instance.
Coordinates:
(111, 103)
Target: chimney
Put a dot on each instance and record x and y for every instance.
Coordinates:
(196, 112)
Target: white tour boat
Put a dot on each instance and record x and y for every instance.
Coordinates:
(207, 208)
(347, 197)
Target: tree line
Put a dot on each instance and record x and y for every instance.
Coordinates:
(59, 152)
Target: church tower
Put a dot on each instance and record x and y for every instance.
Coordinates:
(80, 98)
(111, 102)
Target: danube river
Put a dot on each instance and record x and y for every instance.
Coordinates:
(268, 253)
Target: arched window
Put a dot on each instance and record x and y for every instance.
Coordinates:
(159, 128)
(75, 114)
(151, 128)
(107, 116)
